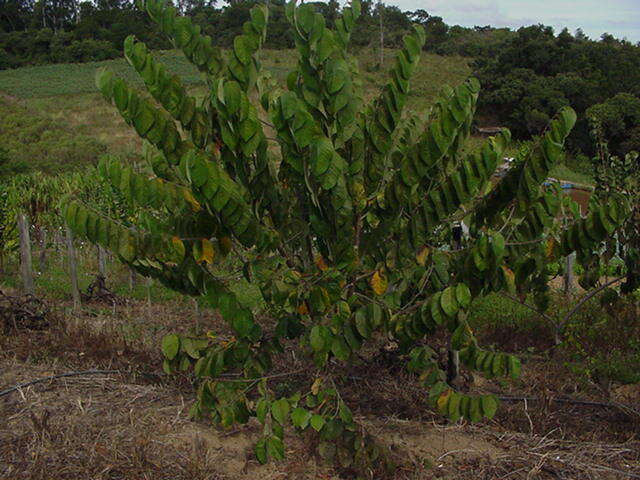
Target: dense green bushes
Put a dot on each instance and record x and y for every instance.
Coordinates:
(618, 120)
(535, 72)
(43, 46)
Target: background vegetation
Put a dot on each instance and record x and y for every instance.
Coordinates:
(526, 75)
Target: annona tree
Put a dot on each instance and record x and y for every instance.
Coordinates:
(339, 212)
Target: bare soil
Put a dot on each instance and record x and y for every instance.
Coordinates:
(134, 424)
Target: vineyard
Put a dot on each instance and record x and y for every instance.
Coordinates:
(290, 273)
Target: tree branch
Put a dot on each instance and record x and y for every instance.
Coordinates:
(589, 296)
(524, 304)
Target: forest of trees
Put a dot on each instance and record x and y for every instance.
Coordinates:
(526, 75)
(70, 31)
(535, 72)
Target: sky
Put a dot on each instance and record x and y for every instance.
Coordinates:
(621, 18)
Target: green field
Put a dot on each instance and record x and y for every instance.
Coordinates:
(62, 98)
(73, 79)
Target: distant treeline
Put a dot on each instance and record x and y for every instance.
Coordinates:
(526, 74)
(61, 31)
(533, 73)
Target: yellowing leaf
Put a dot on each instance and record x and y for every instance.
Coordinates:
(188, 196)
(379, 283)
(510, 278)
(422, 255)
(303, 309)
(551, 245)
(203, 251)
(315, 388)
(177, 250)
(443, 400)
(320, 263)
(225, 244)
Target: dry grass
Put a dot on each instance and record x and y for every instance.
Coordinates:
(135, 426)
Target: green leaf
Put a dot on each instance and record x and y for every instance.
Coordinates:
(475, 409)
(261, 451)
(170, 346)
(320, 338)
(189, 348)
(262, 408)
(104, 82)
(340, 348)
(436, 310)
(317, 422)
(463, 295)
(275, 448)
(362, 323)
(345, 413)
(454, 407)
(489, 405)
(300, 417)
(514, 366)
(166, 367)
(242, 49)
(242, 322)
(232, 96)
(322, 156)
(280, 410)
(448, 302)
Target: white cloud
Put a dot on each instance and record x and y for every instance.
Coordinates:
(618, 17)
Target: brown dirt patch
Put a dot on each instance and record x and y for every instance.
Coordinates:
(129, 426)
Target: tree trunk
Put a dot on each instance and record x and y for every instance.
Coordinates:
(453, 366)
(568, 274)
(132, 279)
(73, 268)
(26, 268)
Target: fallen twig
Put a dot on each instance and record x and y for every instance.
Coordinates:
(620, 406)
(53, 377)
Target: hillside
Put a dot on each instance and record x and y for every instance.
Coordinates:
(64, 99)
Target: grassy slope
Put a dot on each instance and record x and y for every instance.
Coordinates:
(73, 79)
(66, 93)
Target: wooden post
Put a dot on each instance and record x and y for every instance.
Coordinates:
(26, 268)
(73, 268)
(102, 262)
(42, 259)
(196, 307)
